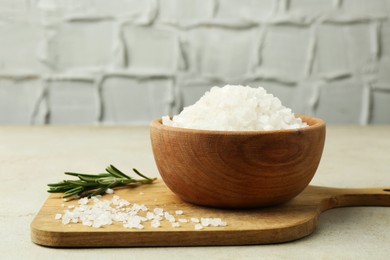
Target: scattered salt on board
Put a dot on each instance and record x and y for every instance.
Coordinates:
(97, 213)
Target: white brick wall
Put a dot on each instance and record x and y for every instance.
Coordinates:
(129, 61)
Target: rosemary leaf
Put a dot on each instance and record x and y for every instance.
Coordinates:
(99, 175)
(140, 174)
(112, 167)
(117, 173)
(72, 192)
(98, 191)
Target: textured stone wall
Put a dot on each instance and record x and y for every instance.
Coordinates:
(129, 61)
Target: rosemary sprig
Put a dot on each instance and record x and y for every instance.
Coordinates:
(89, 185)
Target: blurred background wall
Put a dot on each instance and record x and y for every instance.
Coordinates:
(129, 61)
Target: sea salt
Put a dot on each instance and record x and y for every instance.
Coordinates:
(198, 227)
(179, 212)
(158, 211)
(236, 108)
(195, 220)
(155, 223)
(100, 213)
(83, 201)
(150, 215)
(175, 224)
(205, 222)
(215, 222)
(169, 217)
(109, 191)
(65, 221)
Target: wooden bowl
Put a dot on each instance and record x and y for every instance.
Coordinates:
(237, 169)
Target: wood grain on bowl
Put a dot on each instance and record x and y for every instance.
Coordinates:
(237, 169)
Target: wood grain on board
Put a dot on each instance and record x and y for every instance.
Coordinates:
(286, 222)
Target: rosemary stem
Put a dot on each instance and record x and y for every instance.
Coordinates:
(97, 184)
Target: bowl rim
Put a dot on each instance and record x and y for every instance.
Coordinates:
(318, 123)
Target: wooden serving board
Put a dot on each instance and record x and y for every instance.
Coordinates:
(282, 223)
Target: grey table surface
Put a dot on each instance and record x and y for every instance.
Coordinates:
(32, 156)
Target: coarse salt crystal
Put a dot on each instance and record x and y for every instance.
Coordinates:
(140, 226)
(158, 211)
(155, 223)
(179, 212)
(83, 201)
(133, 222)
(58, 216)
(175, 224)
(195, 220)
(183, 220)
(122, 203)
(198, 227)
(136, 207)
(96, 224)
(150, 215)
(236, 108)
(109, 191)
(65, 221)
(87, 223)
(169, 217)
(205, 222)
(217, 222)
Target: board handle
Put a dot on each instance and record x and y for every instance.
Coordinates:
(348, 197)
